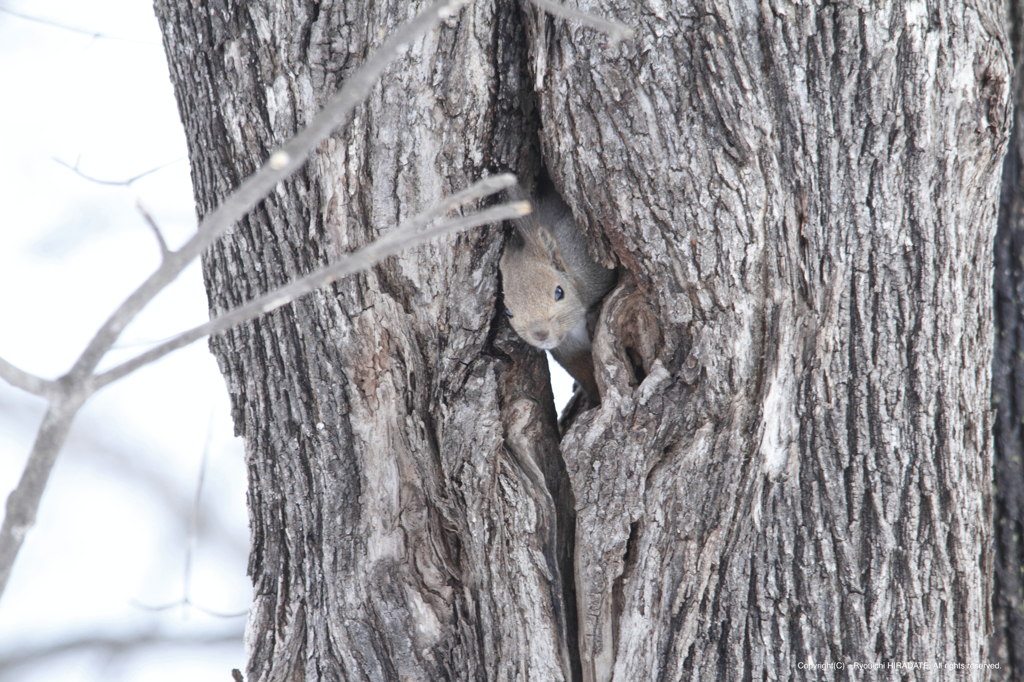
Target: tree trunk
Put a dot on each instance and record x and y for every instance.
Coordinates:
(791, 462)
(1007, 647)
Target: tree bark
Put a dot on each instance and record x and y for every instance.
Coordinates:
(791, 462)
(401, 446)
(807, 197)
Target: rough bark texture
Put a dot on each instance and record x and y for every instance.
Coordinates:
(1007, 648)
(807, 197)
(791, 463)
(401, 446)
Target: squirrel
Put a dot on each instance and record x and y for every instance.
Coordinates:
(551, 284)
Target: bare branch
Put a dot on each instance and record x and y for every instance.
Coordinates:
(77, 385)
(113, 183)
(193, 530)
(23, 502)
(359, 260)
(279, 166)
(614, 29)
(25, 381)
(185, 601)
(164, 251)
(115, 645)
(478, 190)
(75, 29)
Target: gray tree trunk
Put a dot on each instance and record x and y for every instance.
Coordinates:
(792, 460)
(1007, 647)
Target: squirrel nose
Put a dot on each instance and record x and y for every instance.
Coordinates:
(539, 333)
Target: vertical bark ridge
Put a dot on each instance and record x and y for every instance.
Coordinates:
(812, 224)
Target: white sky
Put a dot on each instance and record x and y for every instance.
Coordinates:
(114, 523)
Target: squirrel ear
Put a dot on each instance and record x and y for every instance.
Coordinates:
(551, 248)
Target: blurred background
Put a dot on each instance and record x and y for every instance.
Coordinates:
(136, 567)
(120, 533)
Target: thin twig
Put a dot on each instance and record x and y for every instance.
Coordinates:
(193, 531)
(121, 459)
(44, 388)
(164, 251)
(478, 190)
(614, 29)
(184, 601)
(75, 29)
(112, 183)
(359, 260)
(142, 343)
(279, 166)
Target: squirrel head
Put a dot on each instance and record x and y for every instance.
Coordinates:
(542, 299)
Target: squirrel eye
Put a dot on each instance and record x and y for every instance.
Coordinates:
(559, 293)
(508, 312)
